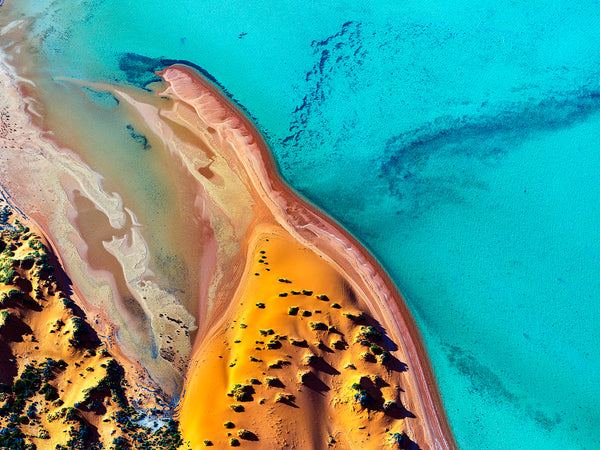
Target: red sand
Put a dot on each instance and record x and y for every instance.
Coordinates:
(319, 232)
(250, 157)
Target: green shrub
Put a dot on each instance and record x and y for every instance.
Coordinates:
(50, 393)
(79, 330)
(298, 342)
(371, 332)
(384, 357)
(245, 434)
(4, 317)
(356, 318)
(273, 344)
(318, 326)
(376, 350)
(390, 404)
(36, 245)
(15, 293)
(241, 392)
(268, 332)
(8, 275)
(396, 438)
(272, 381)
(361, 396)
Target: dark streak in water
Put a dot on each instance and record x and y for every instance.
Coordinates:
(490, 386)
(485, 137)
(139, 138)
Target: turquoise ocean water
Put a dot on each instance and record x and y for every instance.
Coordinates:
(458, 140)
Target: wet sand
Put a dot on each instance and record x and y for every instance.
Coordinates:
(68, 200)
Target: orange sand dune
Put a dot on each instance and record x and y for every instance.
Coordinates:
(232, 197)
(299, 354)
(343, 262)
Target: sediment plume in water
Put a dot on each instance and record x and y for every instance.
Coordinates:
(296, 337)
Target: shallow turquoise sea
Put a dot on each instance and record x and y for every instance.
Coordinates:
(460, 141)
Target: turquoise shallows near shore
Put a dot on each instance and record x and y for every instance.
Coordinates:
(459, 140)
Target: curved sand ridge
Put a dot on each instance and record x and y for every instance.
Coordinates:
(292, 216)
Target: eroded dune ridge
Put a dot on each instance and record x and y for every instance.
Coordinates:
(63, 384)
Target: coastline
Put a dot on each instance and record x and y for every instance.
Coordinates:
(317, 231)
(325, 236)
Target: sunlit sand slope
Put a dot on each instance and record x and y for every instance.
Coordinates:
(297, 363)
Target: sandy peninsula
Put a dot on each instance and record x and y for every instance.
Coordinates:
(329, 355)
(320, 258)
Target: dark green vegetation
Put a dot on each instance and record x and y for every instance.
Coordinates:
(316, 350)
(33, 394)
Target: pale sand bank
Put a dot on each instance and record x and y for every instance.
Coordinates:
(50, 184)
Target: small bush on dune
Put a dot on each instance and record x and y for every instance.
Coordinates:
(371, 332)
(376, 350)
(318, 326)
(245, 434)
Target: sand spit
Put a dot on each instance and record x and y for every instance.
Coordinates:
(298, 364)
(233, 199)
(63, 384)
(278, 207)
